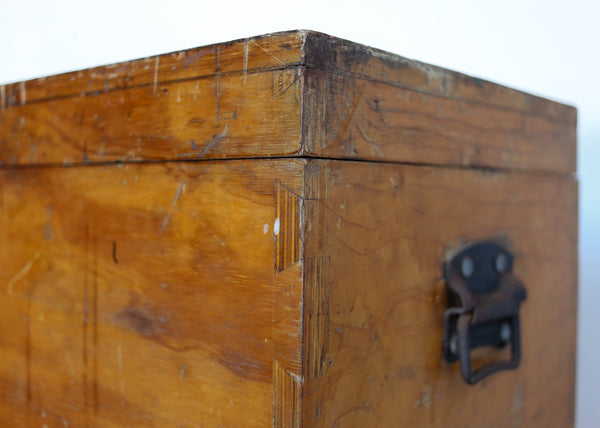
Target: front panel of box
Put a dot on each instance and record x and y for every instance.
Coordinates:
(147, 295)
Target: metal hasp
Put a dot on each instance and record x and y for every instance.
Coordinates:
(483, 307)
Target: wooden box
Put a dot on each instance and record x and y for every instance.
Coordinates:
(253, 234)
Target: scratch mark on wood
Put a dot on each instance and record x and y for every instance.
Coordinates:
(245, 60)
(196, 91)
(193, 58)
(283, 80)
(114, 252)
(218, 81)
(120, 359)
(368, 139)
(173, 204)
(215, 140)
(23, 93)
(348, 117)
(70, 363)
(218, 240)
(267, 52)
(155, 74)
(3, 97)
(48, 226)
(425, 399)
(182, 372)
(21, 274)
(316, 296)
(244, 366)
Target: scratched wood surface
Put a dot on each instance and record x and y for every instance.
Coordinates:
(288, 94)
(147, 295)
(376, 241)
(234, 290)
(229, 116)
(357, 118)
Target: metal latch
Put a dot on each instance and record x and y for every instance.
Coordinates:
(483, 307)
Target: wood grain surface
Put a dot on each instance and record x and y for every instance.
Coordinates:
(288, 94)
(215, 117)
(375, 296)
(146, 295)
(247, 56)
(355, 118)
(339, 56)
(160, 269)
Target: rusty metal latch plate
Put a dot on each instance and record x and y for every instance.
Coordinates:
(484, 298)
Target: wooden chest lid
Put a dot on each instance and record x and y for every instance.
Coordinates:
(292, 94)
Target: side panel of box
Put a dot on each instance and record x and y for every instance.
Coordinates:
(164, 295)
(375, 296)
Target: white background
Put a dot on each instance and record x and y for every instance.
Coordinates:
(548, 47)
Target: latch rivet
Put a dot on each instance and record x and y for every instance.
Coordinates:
(467, 267)
(505, 332)
(454, 345)
(501, 262)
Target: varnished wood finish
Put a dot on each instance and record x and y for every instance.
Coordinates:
(385, 231)
(160, 270)
(145, 295)
(364, 119)
(249, 98)
(216, 117)
(340, 56)
(246, 56)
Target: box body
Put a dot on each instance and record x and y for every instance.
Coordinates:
(253, 234)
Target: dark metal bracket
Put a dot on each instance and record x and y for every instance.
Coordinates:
(483, 307)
